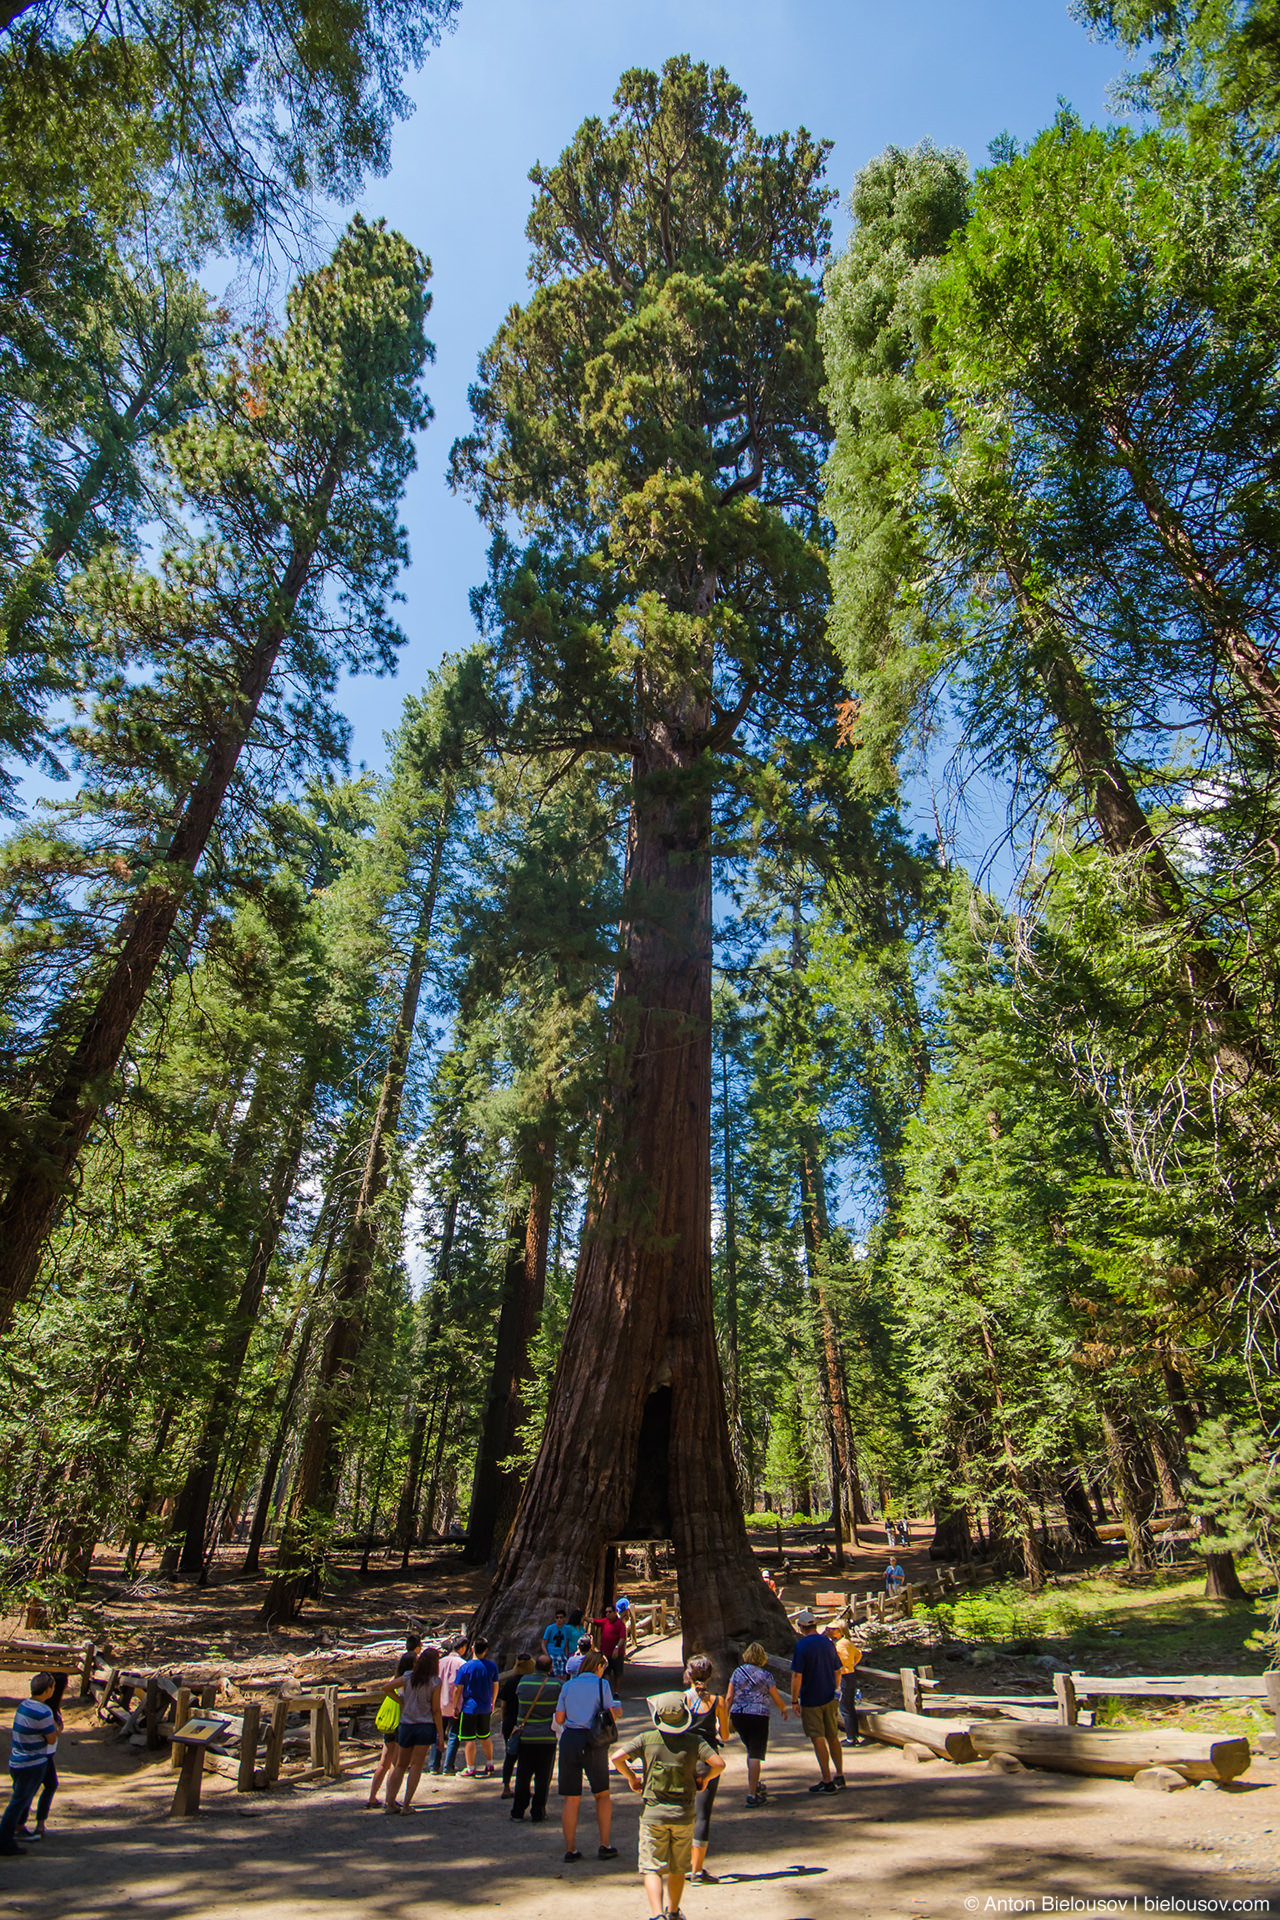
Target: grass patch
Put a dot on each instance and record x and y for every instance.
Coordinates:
(1150, 1623)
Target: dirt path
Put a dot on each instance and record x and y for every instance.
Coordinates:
(906, 1841)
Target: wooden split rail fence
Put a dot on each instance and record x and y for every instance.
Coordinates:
(1052, 1731)
(249, 1741)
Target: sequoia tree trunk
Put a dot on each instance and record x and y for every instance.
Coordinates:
(191, 1514)
(636, 1441)
(835, 1381)
(523, 1288)
(315, 1485)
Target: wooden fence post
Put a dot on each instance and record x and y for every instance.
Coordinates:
(329, 1711)
(152, 1713)
(248, 1746)
(275, 1739)
(910, 1689)
(181, 1715)
(1064, 1688)
(86, 1670)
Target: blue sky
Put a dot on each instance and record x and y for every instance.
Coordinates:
(515, 79)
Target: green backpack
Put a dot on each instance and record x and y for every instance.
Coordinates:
(388, 1715)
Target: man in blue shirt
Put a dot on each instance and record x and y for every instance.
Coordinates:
(475, 1693)
(559, 1640)
(35, 1735)
(580, 1699)
(815, 1672)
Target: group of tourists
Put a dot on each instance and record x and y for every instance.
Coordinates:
(560, 1715)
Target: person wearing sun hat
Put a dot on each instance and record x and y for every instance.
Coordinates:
(671, 1755)
(815, 1669)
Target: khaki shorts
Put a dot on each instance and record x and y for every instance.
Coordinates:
(822, 1723)
(666, 1846)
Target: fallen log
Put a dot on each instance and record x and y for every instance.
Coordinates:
(1116, 1756)
(949, 1739)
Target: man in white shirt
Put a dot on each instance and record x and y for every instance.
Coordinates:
(450, 1707)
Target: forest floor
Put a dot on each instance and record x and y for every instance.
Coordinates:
(907, 1840)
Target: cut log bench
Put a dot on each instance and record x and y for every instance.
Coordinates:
(1116, 1756)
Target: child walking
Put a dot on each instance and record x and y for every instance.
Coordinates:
(671, 1755)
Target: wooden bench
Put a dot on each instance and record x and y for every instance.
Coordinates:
(49, 1656)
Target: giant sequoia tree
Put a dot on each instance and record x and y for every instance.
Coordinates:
(651, 418)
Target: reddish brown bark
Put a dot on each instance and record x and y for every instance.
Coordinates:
(636, 1440)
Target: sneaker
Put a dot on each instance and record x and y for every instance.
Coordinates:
(573, 1854)
(822, 1786)
(606, 1853)
(469, 1773)
(703, 1879)
(752, 1800)
(27, 1833)
(488, 1773)
(831, 1786)
(839, 1783)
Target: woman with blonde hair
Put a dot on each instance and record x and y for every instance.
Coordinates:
(751, 1689)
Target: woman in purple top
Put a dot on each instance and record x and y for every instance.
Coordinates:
(751, 1690)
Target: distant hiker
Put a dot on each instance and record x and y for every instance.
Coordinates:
(894, 1578)
(421, 1728)
(387, 1758)
(34, 1741)
(535, 1734)
(711, 1720)
(574, 1663)
(771, 1583)
(815, 1666)
(450, 1707)
(558, 1640)
(850, 1654)
(751, 1688)
(671, 1756)
(612, 1630)
(507, 1684)
(476, 1688)
(582, 1698)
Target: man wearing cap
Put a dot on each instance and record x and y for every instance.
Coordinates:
(815, 1670)
(671, 1757)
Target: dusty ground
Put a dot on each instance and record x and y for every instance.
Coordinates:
(907, 1840)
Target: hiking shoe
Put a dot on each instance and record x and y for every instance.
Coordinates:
(26, 1833)
(573, 1854)
(606, 1853)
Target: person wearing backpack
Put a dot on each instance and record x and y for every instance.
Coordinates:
(583, 1712)
(675, 1762)
(535, 1737)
